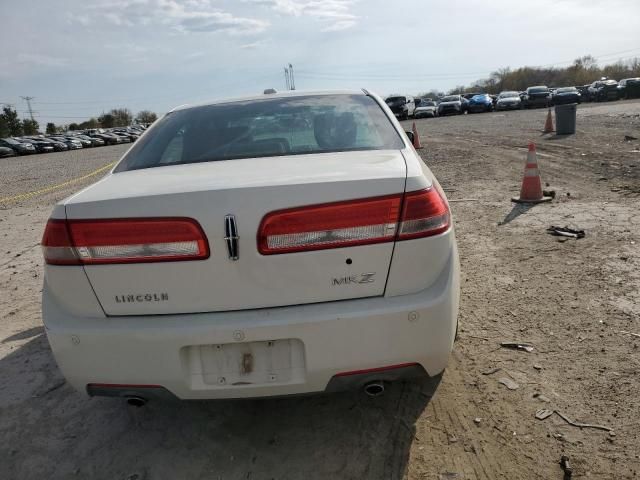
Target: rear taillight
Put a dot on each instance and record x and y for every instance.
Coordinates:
(424, 213)
(331, 225)
(354, 222)
(128, 240)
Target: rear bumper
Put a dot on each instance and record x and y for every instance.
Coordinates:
(335, 338)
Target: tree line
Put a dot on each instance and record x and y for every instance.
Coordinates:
(12, 126)
(583, 71)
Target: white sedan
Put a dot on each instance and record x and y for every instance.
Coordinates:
(282, 244)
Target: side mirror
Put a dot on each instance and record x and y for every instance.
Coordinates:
(411, 138)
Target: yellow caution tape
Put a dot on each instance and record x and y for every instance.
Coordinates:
(51, 188)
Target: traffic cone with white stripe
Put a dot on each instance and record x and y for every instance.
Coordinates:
(548, 125)
(531, 190)
(416, 138)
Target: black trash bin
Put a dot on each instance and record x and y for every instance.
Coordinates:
(566, 119)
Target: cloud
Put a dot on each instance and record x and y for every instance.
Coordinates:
(190, 16)
(39, 60)
(336, 14)
(253, 45)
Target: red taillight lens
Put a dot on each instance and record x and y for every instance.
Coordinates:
(56, 244)
(128, 240)
(355, 222)
(331, 225)
(424, 213)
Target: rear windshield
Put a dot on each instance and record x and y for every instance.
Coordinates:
(390, 100)
(509, 94)
(427, 104)
(566, 90)
(537, 89)
(264, 128)
(453, 98)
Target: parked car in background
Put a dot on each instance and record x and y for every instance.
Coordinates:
(107, 138)
(603, 90)
(539, 96)
(21, 148)
(584, 92)
(7, 152)
(629, 88)
(402, 106)
(72, 144)
(95, 142)
(427, 108)
(566, 95)
(452, 105)
(233, 286)
(509, 101)
(86, 143)
(480, 103)
(469, 96)
(42, 146)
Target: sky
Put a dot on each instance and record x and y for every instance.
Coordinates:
(78, 58)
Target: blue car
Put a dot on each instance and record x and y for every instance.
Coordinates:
(480, 103)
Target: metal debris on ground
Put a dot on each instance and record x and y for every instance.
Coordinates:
(566, 468)
(624, 332)
(629, 138)
(507, 382)
(549, 193)
(525, 347)
(565, 232)
(544, 413)
(491, 371)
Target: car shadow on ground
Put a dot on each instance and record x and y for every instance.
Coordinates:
(52, 431)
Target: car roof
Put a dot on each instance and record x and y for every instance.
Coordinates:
(284, 94)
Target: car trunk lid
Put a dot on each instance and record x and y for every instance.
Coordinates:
(248, 190)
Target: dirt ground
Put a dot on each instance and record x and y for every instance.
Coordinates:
(572, 300)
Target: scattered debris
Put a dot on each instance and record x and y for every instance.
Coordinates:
(582, 425)
(491, 371)
(537, 367)
(541, 397)
(629, 138)
(477, 420)
(566, 468)
(507, 382)
(565, 232)
(448, 476)
(624, 332)
(543, 413)
(453, 439)
(549, 193)
(526, 347)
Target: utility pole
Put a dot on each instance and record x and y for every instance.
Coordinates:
(286, 78)
(28, 100)
(293, 83)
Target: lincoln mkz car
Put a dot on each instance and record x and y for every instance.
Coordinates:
(282, 244)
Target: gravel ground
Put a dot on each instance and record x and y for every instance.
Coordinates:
(571, 300)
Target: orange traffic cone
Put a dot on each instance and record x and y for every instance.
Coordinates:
(548, 125)
(531, 190)
(416, 137)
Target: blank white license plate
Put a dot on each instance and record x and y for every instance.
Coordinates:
(250, 363)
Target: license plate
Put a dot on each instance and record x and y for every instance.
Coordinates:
(248, 363)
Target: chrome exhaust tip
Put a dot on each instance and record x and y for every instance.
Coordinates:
(374, 389)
